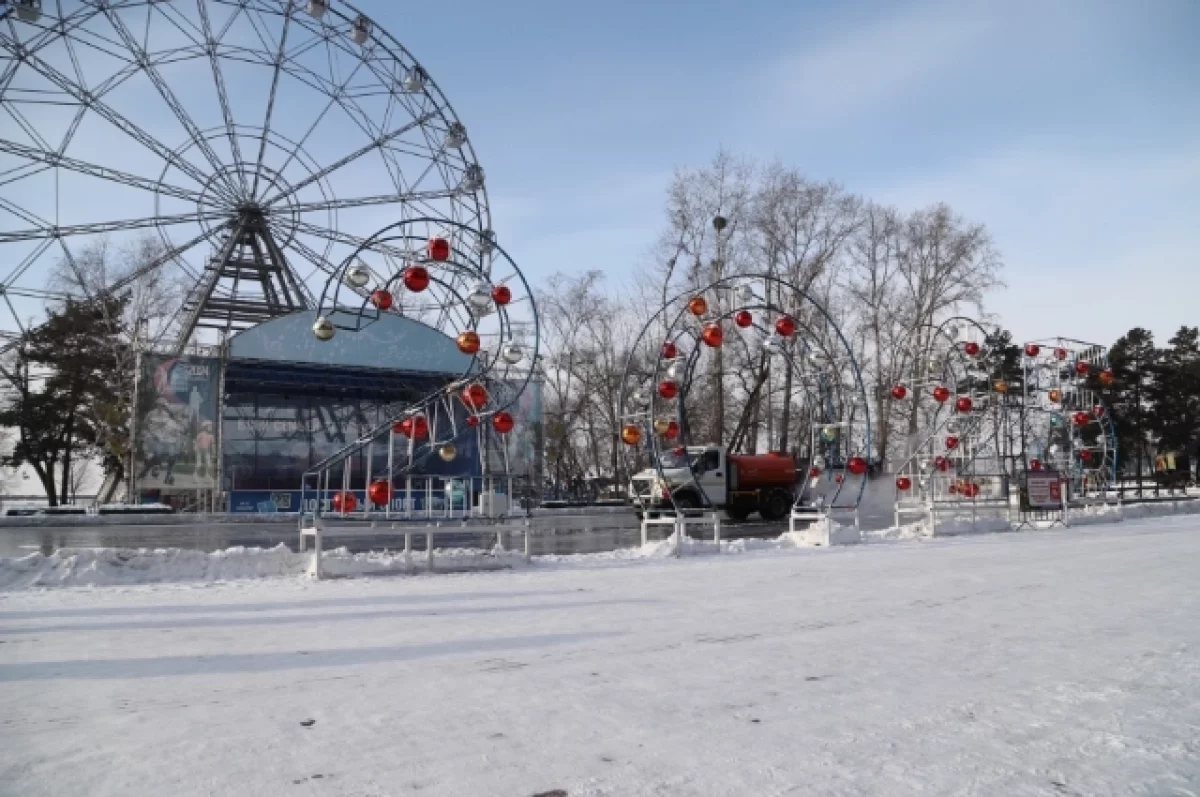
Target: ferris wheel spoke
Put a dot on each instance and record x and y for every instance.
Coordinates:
(27, 261)
(333, 100)
(337, 236)
(275, 73)
(116, 119)
(169, 97)
(382, 199)
(53, 231)
(95, 170)
(222, 94)
(353, 156)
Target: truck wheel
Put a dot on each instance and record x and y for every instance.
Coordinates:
(775, 505)
(737, 513)
(686, 501)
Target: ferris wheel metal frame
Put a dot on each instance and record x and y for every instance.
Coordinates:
(255, 198)
(502, 352)
(824, 369)
(1065, 422)
(942, 471)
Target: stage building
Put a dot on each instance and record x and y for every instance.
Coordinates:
(235, 430)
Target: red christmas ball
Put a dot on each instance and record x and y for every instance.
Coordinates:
(1060, 354)
(899, 392)
(941, 463)
(1082, 368)
(403, 427)
(964, 404)
(952, 489)
(1085, 455)
(814, 472)
(670, 351)
(1032, 350)
(839, 478)
(856, 465)
(502, 422)
(420, 427)
(475, 396)
(941, 394)
(743, 318)
(1098, 410)
(416, 278)
(785, 326)
(903, 483)
(668, 389)
(698, 306)
(712, 335)
(379, 493)
(501, 295)
(1081, 418)
(472, 420)
(1035, 464)
(381, 299)
(1107, 377)
(951, 442)
(672, 430)
(439, 249)
(971, 348)
(344, 502)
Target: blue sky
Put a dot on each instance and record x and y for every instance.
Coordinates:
(1071, 128)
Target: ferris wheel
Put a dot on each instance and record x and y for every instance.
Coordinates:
(260, 142)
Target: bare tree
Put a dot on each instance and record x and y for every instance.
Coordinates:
(150, 310)
(945, 264)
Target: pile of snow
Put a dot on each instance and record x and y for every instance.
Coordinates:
(72, 567)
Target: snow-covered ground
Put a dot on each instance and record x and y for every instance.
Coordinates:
(1063, 662)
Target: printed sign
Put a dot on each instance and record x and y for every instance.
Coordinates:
(1044, 489)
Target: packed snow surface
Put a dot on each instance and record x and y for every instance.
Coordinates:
(1063, 662)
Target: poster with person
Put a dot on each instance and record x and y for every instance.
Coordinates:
(176, 443)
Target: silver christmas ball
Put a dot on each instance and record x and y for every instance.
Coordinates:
(323, 328)
(480, 296)
(357, 276)
(448, 452)
(512, 353)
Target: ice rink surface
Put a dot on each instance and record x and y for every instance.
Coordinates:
(1063, 662)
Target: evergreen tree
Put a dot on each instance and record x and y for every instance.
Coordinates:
(1175, 393)
(63, 392)
(1132, 359)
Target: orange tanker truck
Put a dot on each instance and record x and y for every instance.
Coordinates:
(739, 484)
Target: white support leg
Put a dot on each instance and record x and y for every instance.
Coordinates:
(429, 550)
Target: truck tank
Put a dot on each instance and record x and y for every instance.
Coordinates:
(756, 471)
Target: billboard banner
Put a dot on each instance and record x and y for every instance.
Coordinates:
(176, 423)
(453, 496)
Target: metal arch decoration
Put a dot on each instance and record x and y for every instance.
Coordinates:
(823, 363)
(499, 314)
(1066, 425)
(252, 204)
(964, 428)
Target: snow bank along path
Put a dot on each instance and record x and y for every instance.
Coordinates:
(1053, 663)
